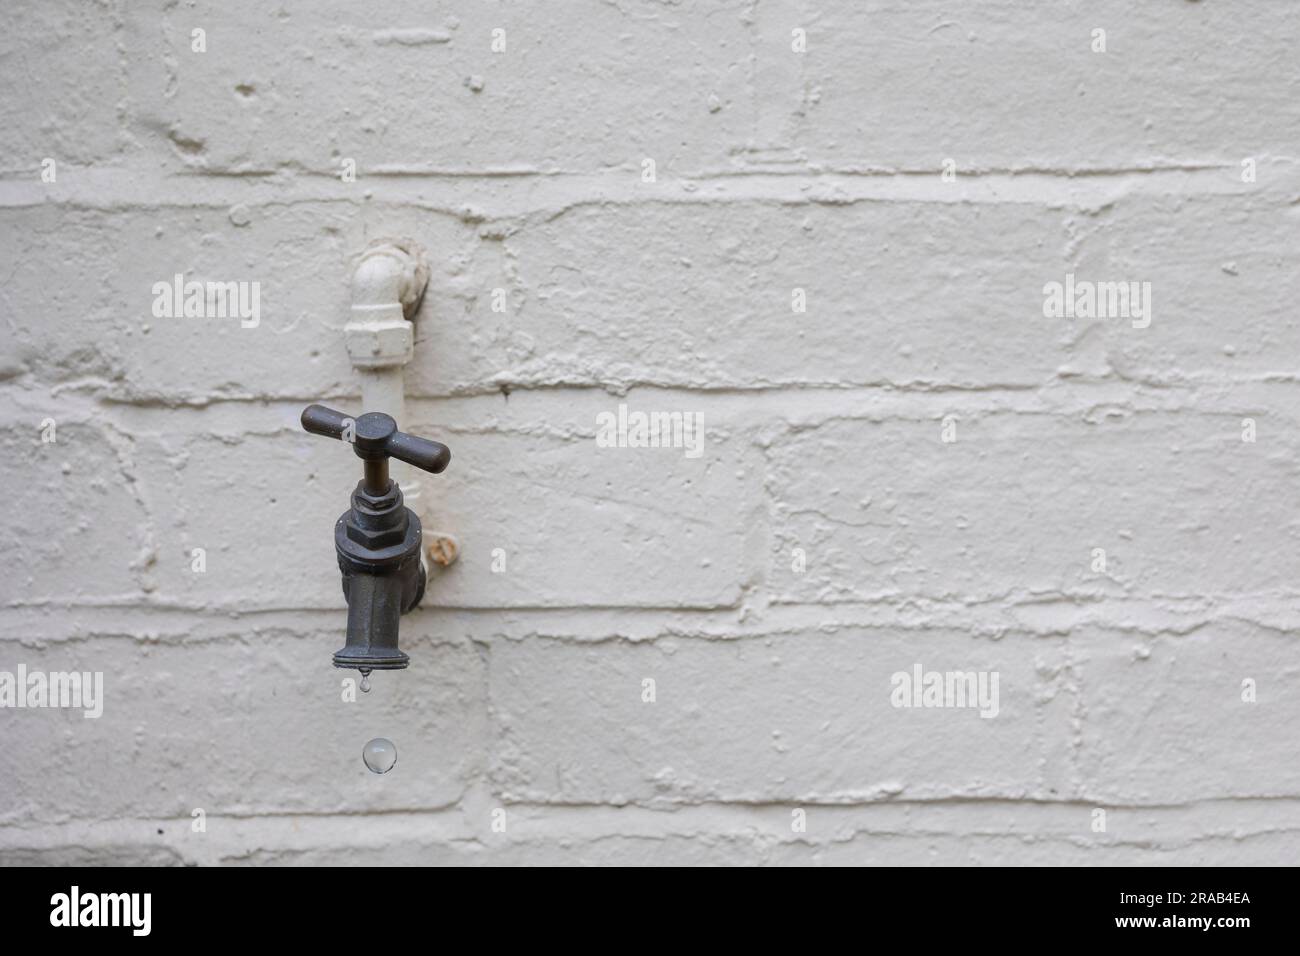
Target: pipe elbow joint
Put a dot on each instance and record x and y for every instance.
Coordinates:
(387, 288)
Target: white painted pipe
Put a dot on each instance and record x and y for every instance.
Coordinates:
(387, 287)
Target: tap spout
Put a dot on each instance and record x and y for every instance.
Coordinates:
(375, 604)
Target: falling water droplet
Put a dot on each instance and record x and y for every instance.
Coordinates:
(365, 682)
(380, 755)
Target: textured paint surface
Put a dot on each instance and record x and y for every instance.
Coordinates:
(917, 467)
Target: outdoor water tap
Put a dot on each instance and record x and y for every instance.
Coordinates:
(378, 538)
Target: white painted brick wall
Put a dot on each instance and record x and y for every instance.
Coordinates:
(776, 170)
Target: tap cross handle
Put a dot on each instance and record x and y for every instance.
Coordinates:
(374, 436)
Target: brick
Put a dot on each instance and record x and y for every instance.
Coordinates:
(802, 716)
(995, 85)
(63, 87)
(1018, 503)
(398, 91)
(1166, 722)
(250, 724)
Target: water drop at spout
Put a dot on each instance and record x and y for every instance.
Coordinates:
(365, 682)
(379, 755)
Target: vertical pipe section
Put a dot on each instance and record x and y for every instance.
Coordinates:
(387, 287)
